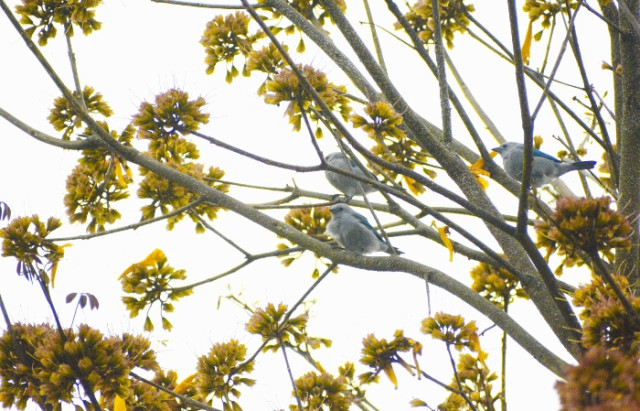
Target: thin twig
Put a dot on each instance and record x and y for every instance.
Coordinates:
(536, 77)
(219, 234)
(186, 400)
(547, 49)
(293, 381)
(374, 35)
(609, 22)
(256, 157)
(526, 120)
(503, 364)
(442, 73)
(206, 5)
(418, 46)
(468, 95)
(74, 65)
(89, 142)
(575, 47)
(556, 66)
(457, 377)
(133, 226)
(238, 267)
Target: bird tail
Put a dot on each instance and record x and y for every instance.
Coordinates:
(583, 165)
(398, 252)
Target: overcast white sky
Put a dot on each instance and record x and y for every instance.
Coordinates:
(146, 48)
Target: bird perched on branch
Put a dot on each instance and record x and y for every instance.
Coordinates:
(352, 231)
(347, 185)
(545, 168)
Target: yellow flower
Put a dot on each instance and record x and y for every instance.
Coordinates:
(453, 19)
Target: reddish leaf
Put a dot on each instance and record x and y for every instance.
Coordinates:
(93, 301)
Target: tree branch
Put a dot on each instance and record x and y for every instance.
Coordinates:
(90, 142)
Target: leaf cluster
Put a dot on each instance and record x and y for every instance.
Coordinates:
(453, 330)
(226, 37)
(546, 9)
(496, 284)
(273, 323)
(380, 355)
(151, 279)
(165, 124)
(605, 379)
(143, 396)
(285, 87)
(475, 380)
(99, 180)
(472, 377)
(43, 14)
(312, 10)
(25, 239)
(219, 373)
(39, 362)
(318, 391)
(313, 222)
(64, 117)
(583, 224)
(453, 18)
(605, 322)
(383, 125)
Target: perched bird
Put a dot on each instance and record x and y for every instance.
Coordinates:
(347, 185)
(545, 168)
(352, 231)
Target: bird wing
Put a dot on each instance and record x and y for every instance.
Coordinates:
(538, 153)
(357, 170)
(363, 172)
(364, 222)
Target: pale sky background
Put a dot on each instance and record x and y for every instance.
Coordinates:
(145, 48)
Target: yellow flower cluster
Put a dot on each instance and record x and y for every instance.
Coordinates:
(586, 225)
(165, 124)
(453, 18)
(43, 13)
(285, 86)
(38, 362)
(151, 279)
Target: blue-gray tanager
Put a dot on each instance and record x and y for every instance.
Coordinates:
(352, 231)
(545, 168)
(347, 185)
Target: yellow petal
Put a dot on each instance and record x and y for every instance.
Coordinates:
(388, 370)
(537, 142)
(119, 175)
(478, 166)
(417, 350)
(477, 169)
(152, 259)
(119, 404)
(416, 402)
(526, 44)
(185, 384)
(444, 236)
(483, 183)
(54, 269)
